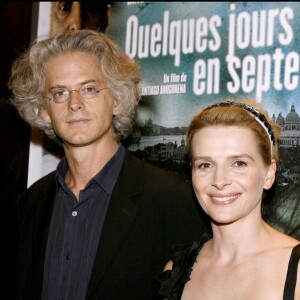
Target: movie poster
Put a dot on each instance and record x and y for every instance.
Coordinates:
(196, 53)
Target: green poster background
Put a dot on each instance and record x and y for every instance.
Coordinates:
(196, 53)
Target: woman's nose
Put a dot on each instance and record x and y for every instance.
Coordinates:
(220, 178)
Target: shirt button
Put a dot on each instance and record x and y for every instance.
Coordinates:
(74, 213)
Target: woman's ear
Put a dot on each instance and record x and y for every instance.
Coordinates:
(270, 178)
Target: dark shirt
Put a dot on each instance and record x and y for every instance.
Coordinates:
(75, 231)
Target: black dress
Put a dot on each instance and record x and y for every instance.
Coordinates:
(173, 281)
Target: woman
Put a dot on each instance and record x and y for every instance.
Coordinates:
(233, 150)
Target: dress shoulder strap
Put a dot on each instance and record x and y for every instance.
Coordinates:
(291, 278)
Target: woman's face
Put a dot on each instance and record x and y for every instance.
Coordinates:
(228, 173)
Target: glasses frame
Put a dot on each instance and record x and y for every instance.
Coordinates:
(75, 90)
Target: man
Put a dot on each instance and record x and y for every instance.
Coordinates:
(100, 226)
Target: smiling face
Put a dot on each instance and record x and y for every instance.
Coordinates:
(78, 121)
(228, 173)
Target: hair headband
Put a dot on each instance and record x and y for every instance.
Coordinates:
(259, 117)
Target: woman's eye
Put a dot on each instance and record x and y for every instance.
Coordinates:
(204, 166)
(240, 163)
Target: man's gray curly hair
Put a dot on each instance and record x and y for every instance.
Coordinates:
(121, 76)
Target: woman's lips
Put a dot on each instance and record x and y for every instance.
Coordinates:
(224, 200)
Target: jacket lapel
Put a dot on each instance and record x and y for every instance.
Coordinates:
(120, 216)
(43, 211)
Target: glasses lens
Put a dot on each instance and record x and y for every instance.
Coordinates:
(88, 91)
(60, 95)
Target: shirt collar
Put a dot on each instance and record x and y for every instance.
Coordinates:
(106, 178)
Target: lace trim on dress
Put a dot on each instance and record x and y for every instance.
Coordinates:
(184, 257)
(173, 281)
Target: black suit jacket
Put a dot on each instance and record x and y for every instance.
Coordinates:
(149, 211)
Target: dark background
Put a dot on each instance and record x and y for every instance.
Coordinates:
(16, 25)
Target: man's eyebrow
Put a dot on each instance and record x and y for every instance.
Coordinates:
(79, 84)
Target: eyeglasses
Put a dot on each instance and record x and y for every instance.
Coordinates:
(87, 91)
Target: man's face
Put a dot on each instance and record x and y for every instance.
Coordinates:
(70, 15)
(78, 121)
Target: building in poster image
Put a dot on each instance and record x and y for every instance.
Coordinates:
(193, 54)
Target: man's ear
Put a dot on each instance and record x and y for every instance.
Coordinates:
(270, 178)
(45, 115)
(116, 108)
